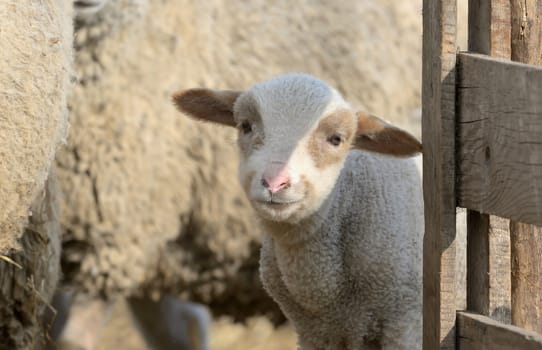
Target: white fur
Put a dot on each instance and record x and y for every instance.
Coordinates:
(344, 261)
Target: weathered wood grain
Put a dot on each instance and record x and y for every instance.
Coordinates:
(438, 99)
(499, 135)
(526, 276)
(526, 239)
(490, 28)
(488, 266)
(477, 332)
(488, 247)
(527, 31)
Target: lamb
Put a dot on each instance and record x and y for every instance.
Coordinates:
(188, 229)
(341, 252)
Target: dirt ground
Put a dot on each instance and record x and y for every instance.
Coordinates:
(257, 334)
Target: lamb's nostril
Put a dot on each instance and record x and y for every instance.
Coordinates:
(265, 183)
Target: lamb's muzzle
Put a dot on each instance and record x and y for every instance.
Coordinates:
(276, 177)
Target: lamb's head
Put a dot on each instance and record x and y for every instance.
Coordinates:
(294, 133)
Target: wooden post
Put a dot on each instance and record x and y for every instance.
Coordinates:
(488, 247)
(527, 31)
(488, 266)
(526, 276)
(489, 27)
(527, 239)
(438, 99)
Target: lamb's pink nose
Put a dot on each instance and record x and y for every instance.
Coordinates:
(276, 177)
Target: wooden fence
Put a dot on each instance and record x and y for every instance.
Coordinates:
(482, 136)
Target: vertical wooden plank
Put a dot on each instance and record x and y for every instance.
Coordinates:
(438, 99)
(527, 239)
(480, 26)
(500, 290)
(488, 247)
(526, 276)
(501, 29)
(489, 27)
(477, 262)
(488, 266)
(527, 31)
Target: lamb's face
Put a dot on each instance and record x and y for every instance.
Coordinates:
(294, 134)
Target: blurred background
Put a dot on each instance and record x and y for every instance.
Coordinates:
(159, 246)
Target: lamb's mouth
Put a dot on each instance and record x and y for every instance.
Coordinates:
(273, 203)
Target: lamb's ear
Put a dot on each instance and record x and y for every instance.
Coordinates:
(205, 104)
(376, 135)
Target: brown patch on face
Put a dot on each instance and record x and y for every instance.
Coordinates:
(308, 196)
(340, 123)
(375, 135)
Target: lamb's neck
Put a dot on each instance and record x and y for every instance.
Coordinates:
(308, 256)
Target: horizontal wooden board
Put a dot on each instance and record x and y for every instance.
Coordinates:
(499, 138)
(477, 332)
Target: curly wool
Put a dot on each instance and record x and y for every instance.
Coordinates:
(35, 72)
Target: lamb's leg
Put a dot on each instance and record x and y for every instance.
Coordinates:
(404, 333)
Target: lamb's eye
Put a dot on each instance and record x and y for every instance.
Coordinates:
(246, 127)
(335, 140)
